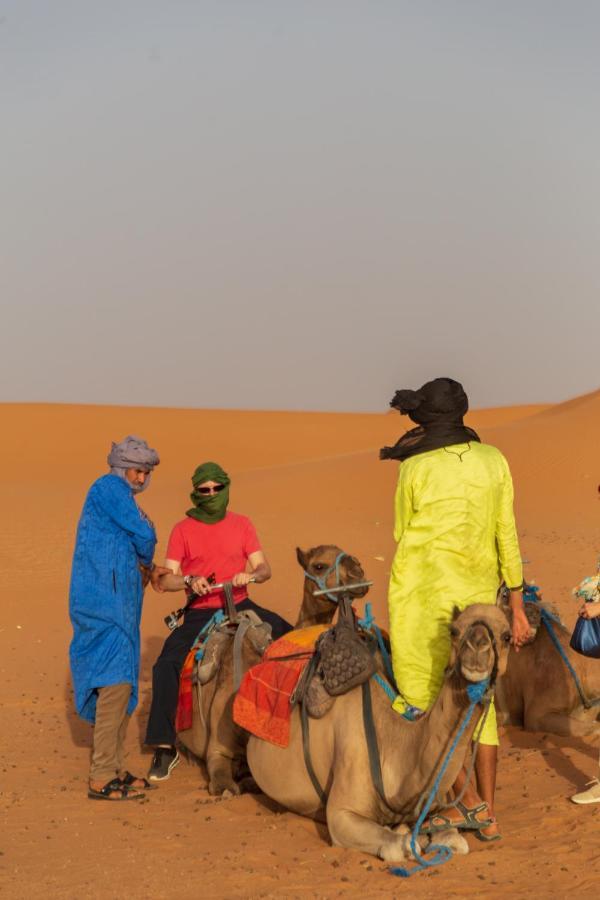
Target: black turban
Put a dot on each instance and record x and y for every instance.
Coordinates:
(438, 408)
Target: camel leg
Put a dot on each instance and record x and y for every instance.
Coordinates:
(562, 724)
(220, 773)
(350, 829)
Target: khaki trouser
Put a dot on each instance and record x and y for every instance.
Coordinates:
(109, 732)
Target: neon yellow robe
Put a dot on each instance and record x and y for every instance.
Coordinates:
(457, 539)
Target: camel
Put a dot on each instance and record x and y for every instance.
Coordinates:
(318, 564)
(539, 693)
(410, 752)
(214, 737)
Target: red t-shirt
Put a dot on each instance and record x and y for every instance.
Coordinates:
(222, 548)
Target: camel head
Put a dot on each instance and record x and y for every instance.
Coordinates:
(480, 642)
(319, 565)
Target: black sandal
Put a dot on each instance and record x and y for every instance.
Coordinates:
(113, 787)
(128, 779)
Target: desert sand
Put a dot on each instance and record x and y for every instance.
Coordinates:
(305, 479)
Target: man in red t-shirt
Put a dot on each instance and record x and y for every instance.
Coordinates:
(209, 545)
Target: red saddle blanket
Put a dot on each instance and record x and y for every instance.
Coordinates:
(262, 704)
(185, 701)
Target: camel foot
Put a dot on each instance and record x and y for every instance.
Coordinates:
(397, 848)
(452, 839)
(247, 785)
(223, 787)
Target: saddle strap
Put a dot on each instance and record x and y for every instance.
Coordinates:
(230, 610)
(371, 738)
(244, 623)
(200, 703)
(306, 750)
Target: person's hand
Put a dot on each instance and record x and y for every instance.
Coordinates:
(241, 579)
(201, 586)
(589, 610)
(155, 576)
(521, 629)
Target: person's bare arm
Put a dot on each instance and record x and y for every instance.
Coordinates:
(521, 629)
(154, 575)
(171, 579)
(260, 570)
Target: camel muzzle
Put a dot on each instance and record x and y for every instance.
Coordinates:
(477, 656)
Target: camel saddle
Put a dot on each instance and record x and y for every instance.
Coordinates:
(247, 623)
(346, 656)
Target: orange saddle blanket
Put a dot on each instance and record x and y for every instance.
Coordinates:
(262, 704)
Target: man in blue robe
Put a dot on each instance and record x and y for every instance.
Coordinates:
(113, 550)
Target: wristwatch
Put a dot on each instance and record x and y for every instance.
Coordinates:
(187, 580)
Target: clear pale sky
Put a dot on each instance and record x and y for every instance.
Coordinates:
(298, 205)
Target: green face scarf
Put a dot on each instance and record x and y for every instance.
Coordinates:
(209, 508)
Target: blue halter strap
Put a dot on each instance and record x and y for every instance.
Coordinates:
(320, 581)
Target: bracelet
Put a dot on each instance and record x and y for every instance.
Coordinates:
(187, 580)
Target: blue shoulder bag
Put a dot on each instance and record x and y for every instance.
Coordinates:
(586, 637)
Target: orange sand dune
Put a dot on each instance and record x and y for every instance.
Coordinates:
(305, 478)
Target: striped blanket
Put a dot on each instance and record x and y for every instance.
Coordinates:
(262, 704)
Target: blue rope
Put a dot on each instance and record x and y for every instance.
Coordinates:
(368, 620)
(387, 687)
(475, 693)
(368, 623)
(214, 620)
(335, 567)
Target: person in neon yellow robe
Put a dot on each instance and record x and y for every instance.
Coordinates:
(456, 542)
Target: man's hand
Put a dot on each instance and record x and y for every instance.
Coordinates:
(155, 576)
(589, 610)
(521, 629)
(242, 579)
(201, 586)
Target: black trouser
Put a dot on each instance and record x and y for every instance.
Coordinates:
(166, 670)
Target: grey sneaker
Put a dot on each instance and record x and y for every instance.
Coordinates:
(592, 795)
(163, 762)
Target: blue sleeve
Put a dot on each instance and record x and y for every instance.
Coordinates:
(117, 503)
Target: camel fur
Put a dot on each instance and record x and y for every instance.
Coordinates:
(410, 752)
(214, 737)
(538, 692)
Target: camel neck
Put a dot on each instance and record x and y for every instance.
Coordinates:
(314, 610)
(428, 740)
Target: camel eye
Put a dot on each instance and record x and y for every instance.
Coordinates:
(453, 631)
(319, 567)
(506, 637)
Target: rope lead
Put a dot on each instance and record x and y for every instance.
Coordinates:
(476, 693)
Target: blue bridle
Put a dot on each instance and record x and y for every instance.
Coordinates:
(334, 567)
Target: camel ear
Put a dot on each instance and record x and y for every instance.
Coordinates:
(302, 557)
(455, 613)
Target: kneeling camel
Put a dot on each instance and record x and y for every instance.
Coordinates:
(539, 693)
(410, 752)
(214, 737)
